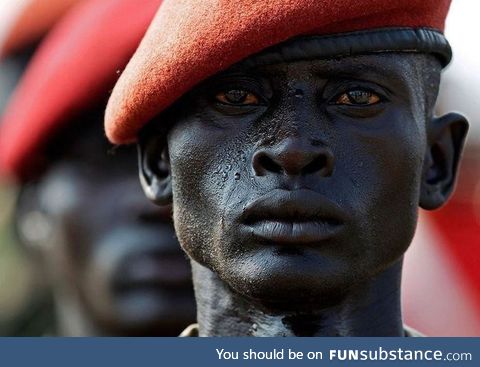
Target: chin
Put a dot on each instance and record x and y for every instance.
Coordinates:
(289, 279)
(156, 303)
(154, 313)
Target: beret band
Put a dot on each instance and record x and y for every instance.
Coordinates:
(422, 40)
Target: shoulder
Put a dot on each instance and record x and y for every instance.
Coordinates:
(410, 332)
(190, 331)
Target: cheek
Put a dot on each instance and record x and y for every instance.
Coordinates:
(67, 199)
(211, 179)
(386, 173)
(400, 164)
(206, 170)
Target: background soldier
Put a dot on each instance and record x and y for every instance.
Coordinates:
(111, 257)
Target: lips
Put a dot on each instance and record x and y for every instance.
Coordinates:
(293, 217)
(141, 257)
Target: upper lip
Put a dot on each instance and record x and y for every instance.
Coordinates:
(294, 207)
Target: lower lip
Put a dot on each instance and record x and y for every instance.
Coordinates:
(295, 232)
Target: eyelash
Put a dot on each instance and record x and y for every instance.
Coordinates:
(336, 98)
(350, 86)
(226, 91)
(252, 88)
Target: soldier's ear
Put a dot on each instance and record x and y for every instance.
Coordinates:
(154, 166)
(446, 136)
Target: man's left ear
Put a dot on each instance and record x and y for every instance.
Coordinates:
(154, 169)
(446, 136)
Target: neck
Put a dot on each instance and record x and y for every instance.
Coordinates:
(369, 309)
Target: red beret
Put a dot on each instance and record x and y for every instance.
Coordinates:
(191, 40)
(74, 69)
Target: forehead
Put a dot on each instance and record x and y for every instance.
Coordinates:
(400, 68)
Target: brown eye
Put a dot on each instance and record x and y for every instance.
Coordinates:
(237, 97)
(358, 97)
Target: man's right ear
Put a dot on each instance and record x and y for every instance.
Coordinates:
(154, 166)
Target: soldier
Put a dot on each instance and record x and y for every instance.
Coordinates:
(296, 140)
(111, 256)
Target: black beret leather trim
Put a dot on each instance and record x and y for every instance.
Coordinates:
(411, 40)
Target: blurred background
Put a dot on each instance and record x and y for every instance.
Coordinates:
(441, 295)
(442, 270)
(25, 300)
(83, 252)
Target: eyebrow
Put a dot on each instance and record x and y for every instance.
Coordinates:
(361, 66)
(398, 76)
(358, 64)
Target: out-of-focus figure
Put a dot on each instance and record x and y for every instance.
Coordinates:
(110, 256)
(25, 305)
(442, 271)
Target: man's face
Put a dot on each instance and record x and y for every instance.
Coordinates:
(296, 180)
(109, 244)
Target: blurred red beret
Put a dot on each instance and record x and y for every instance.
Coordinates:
(74, 69)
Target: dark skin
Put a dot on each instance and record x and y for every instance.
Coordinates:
(111, 256)
(295, 189)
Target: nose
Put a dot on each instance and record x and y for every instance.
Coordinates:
(293, 157)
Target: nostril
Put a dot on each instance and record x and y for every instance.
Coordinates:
(291, 159)
(320, 165)
(268, 164)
